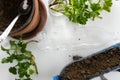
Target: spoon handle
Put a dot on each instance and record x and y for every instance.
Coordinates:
(8, 29)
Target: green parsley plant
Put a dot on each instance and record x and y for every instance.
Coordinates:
(24, 58)
(80, 11)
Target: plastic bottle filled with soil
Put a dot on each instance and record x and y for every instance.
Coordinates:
(92, 66)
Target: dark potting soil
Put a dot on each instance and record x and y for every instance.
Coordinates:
(92, 66)
(76, 57)
(8, 11)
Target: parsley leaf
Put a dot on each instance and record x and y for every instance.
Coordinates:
(107, 5)
(13, 70)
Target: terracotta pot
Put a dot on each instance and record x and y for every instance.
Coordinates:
(34, 22)
(37, 24)
(9, 13)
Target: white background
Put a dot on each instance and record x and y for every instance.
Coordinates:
(60, 39)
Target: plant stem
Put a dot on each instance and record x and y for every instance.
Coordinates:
(34, 63)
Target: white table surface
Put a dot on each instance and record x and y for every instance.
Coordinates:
(60, 39)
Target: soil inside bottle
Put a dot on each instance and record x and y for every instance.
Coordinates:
(92, 66)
